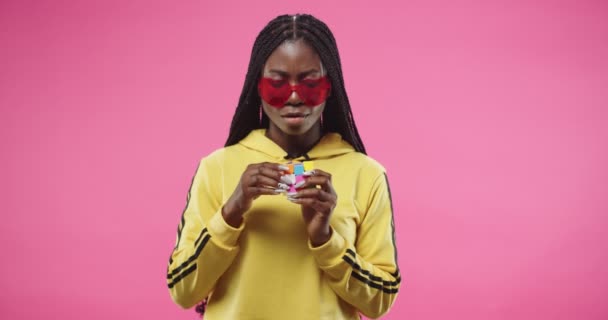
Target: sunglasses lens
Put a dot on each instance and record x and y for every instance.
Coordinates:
(277, 92)
(274, 92)
(313, 92)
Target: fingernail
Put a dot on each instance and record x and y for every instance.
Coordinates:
(299, 184)
(309, 173)
(283, 167)
(277, 191)
(288, 179)
(284, 179)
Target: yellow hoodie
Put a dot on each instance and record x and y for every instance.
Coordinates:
(267, 268)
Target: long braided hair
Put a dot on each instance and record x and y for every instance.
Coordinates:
(337, 116)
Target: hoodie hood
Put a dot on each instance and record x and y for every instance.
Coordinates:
(330, 145)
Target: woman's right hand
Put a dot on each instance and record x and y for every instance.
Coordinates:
(258, 179)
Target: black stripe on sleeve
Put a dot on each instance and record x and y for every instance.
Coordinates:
(355, 265)
(204, 231)
(390, 199)
(360, 273)
(182, 275)
(193, 257)
(373, 284)
(370, 276)
(191, 268)
(182, 222)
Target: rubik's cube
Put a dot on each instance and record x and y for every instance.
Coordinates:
(295, 174)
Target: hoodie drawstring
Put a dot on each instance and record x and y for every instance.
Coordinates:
(294, 156)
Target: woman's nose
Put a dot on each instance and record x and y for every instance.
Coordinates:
(294, 98)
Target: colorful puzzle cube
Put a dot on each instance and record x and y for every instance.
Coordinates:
(295, 174)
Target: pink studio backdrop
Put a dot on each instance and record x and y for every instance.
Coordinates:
(490, 116)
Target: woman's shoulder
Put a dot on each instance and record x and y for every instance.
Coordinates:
(219, 156)
(365, 163)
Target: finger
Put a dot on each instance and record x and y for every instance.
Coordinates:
(319, 206)
(309, 173)
(313, 181)
(318, 194)
(319, 172)
(274, 166)
(255, 192)
(256, 173)
(328, 186)
(266, 166)
(262, 181)
(273, 172)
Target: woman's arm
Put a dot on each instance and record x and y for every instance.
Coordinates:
(365, 274)
(207, 237)
(206, 245)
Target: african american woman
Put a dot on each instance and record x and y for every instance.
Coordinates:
(260, 240)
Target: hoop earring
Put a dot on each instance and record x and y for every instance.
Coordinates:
(260, 114)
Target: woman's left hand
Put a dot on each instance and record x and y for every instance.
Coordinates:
(317, 205)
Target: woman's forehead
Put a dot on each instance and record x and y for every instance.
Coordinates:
(293, 57)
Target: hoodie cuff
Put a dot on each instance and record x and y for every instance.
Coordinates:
(222, 233)
(330, 253)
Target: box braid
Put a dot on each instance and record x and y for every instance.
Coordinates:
(337, 116)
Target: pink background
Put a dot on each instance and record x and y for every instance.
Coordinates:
(490, 116)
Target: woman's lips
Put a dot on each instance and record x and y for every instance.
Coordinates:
(294, 119)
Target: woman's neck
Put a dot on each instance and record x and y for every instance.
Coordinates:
(295, 145)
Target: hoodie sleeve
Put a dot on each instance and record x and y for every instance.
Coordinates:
(206, 245)
(365, 274)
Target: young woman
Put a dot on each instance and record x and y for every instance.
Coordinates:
(326, 251)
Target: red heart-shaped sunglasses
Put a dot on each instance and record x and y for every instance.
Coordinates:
(311, 91)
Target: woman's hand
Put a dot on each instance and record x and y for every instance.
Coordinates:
(317, 205)
(258, 179)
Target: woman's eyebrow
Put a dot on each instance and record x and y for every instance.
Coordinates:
(279, 72)
(301, 74)
(305, 73)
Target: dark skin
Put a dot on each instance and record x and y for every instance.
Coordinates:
(294, 61)
(295, 128)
